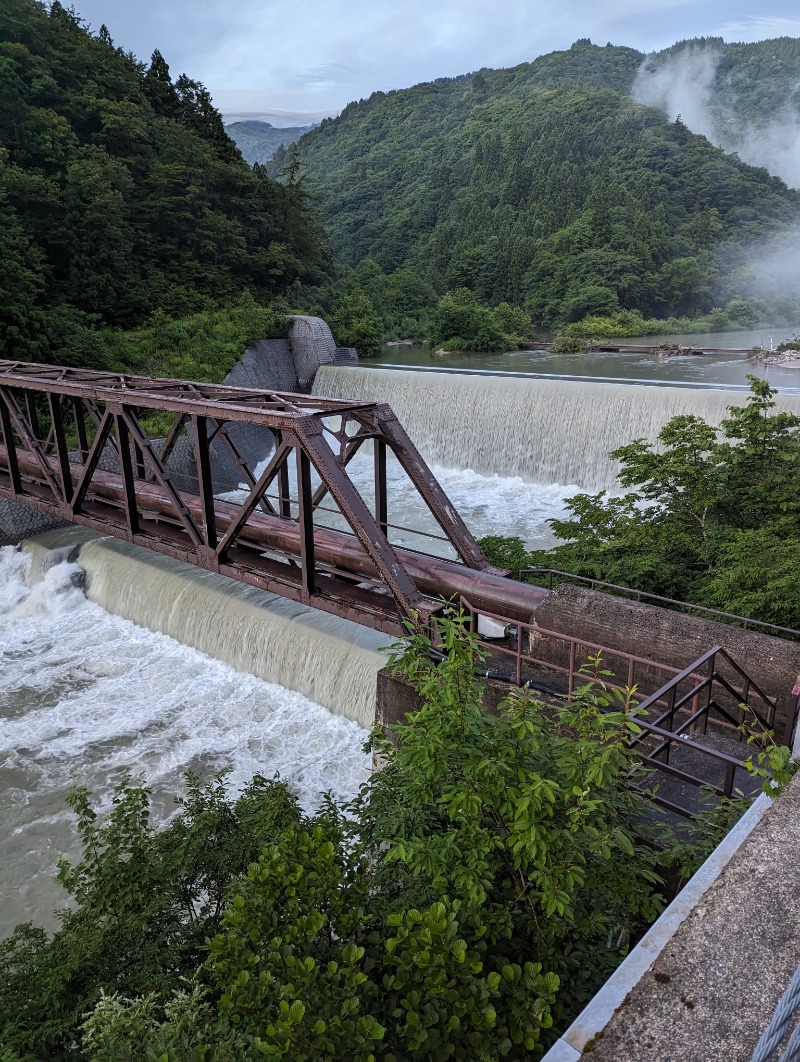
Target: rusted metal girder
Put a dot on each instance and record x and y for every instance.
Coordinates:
(59, 425)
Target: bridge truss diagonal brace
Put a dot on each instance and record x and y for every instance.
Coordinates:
(13, 419)
(428, 487)
(361, 520)
(255, 496)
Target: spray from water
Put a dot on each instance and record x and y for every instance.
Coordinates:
(544, 431)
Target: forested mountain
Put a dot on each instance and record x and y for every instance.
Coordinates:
(545, 185)
(258, 141)
(121, 194)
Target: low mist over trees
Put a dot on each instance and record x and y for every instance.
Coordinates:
(546, 186)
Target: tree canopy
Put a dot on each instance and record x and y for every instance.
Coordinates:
(120, 192)
(545, 185)
(713, 516)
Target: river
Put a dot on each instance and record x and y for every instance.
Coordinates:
(87, 697)
(706, 370)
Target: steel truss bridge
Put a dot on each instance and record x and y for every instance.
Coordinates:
(139, 459)
(99, 449)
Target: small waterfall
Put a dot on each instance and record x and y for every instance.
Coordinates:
(545, 431)
(329, 660)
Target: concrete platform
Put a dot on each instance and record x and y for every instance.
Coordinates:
(703, 983)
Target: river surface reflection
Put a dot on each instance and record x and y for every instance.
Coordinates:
(706, 370)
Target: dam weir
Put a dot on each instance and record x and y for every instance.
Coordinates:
(550, 431)
(544, 431)
(329, 660)
(67, 715)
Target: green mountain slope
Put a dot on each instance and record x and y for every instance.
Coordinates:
(545, 184)
(258, 141)
(120, 192)
(748, 83)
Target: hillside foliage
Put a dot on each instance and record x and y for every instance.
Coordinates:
(545, 186)
(121, 194)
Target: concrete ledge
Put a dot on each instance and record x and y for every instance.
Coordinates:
(704, 980)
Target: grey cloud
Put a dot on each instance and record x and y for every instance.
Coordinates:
(322, 53)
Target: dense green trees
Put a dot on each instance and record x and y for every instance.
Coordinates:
(355, 322)
(482, 886)
(545, 186)
(460, 322)
(120, 193)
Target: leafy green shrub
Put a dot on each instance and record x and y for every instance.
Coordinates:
(474, 896)
(461, 322)
(513, 321)
(505, 551)
(144, 902)
(204, 346)
(355, 323)
(568, 344)
(713, 520)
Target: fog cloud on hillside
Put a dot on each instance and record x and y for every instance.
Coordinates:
(684, 85)
(767, 269)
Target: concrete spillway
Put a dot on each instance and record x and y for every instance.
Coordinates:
(330, 660)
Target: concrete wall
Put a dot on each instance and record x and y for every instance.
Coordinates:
(669, 638)
(312, 345)
(707, 977)
(21, 521)
(395, 698)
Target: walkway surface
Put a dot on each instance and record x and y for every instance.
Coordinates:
(716, 981)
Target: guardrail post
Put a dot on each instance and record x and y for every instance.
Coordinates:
(730, 774)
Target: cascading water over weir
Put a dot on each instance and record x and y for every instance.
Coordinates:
(544, 431)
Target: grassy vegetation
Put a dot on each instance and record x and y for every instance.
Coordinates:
(203, 346)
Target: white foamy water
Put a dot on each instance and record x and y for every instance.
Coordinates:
(488, 504)
(544, 431)
(87, 698)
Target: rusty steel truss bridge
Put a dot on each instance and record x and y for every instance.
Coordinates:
(160, 463)
(99, 449)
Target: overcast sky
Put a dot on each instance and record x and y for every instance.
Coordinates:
(287, 60)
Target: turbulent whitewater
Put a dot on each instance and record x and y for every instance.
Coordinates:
(87, 697)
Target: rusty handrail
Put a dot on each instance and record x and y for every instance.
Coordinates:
(747, 622)
(667, 736)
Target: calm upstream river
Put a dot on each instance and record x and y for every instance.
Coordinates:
(706, 370)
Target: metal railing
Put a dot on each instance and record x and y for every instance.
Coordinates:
(712, 688)
(746, 622)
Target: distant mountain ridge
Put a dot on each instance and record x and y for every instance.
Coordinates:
(548, 184)
(258, 141)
